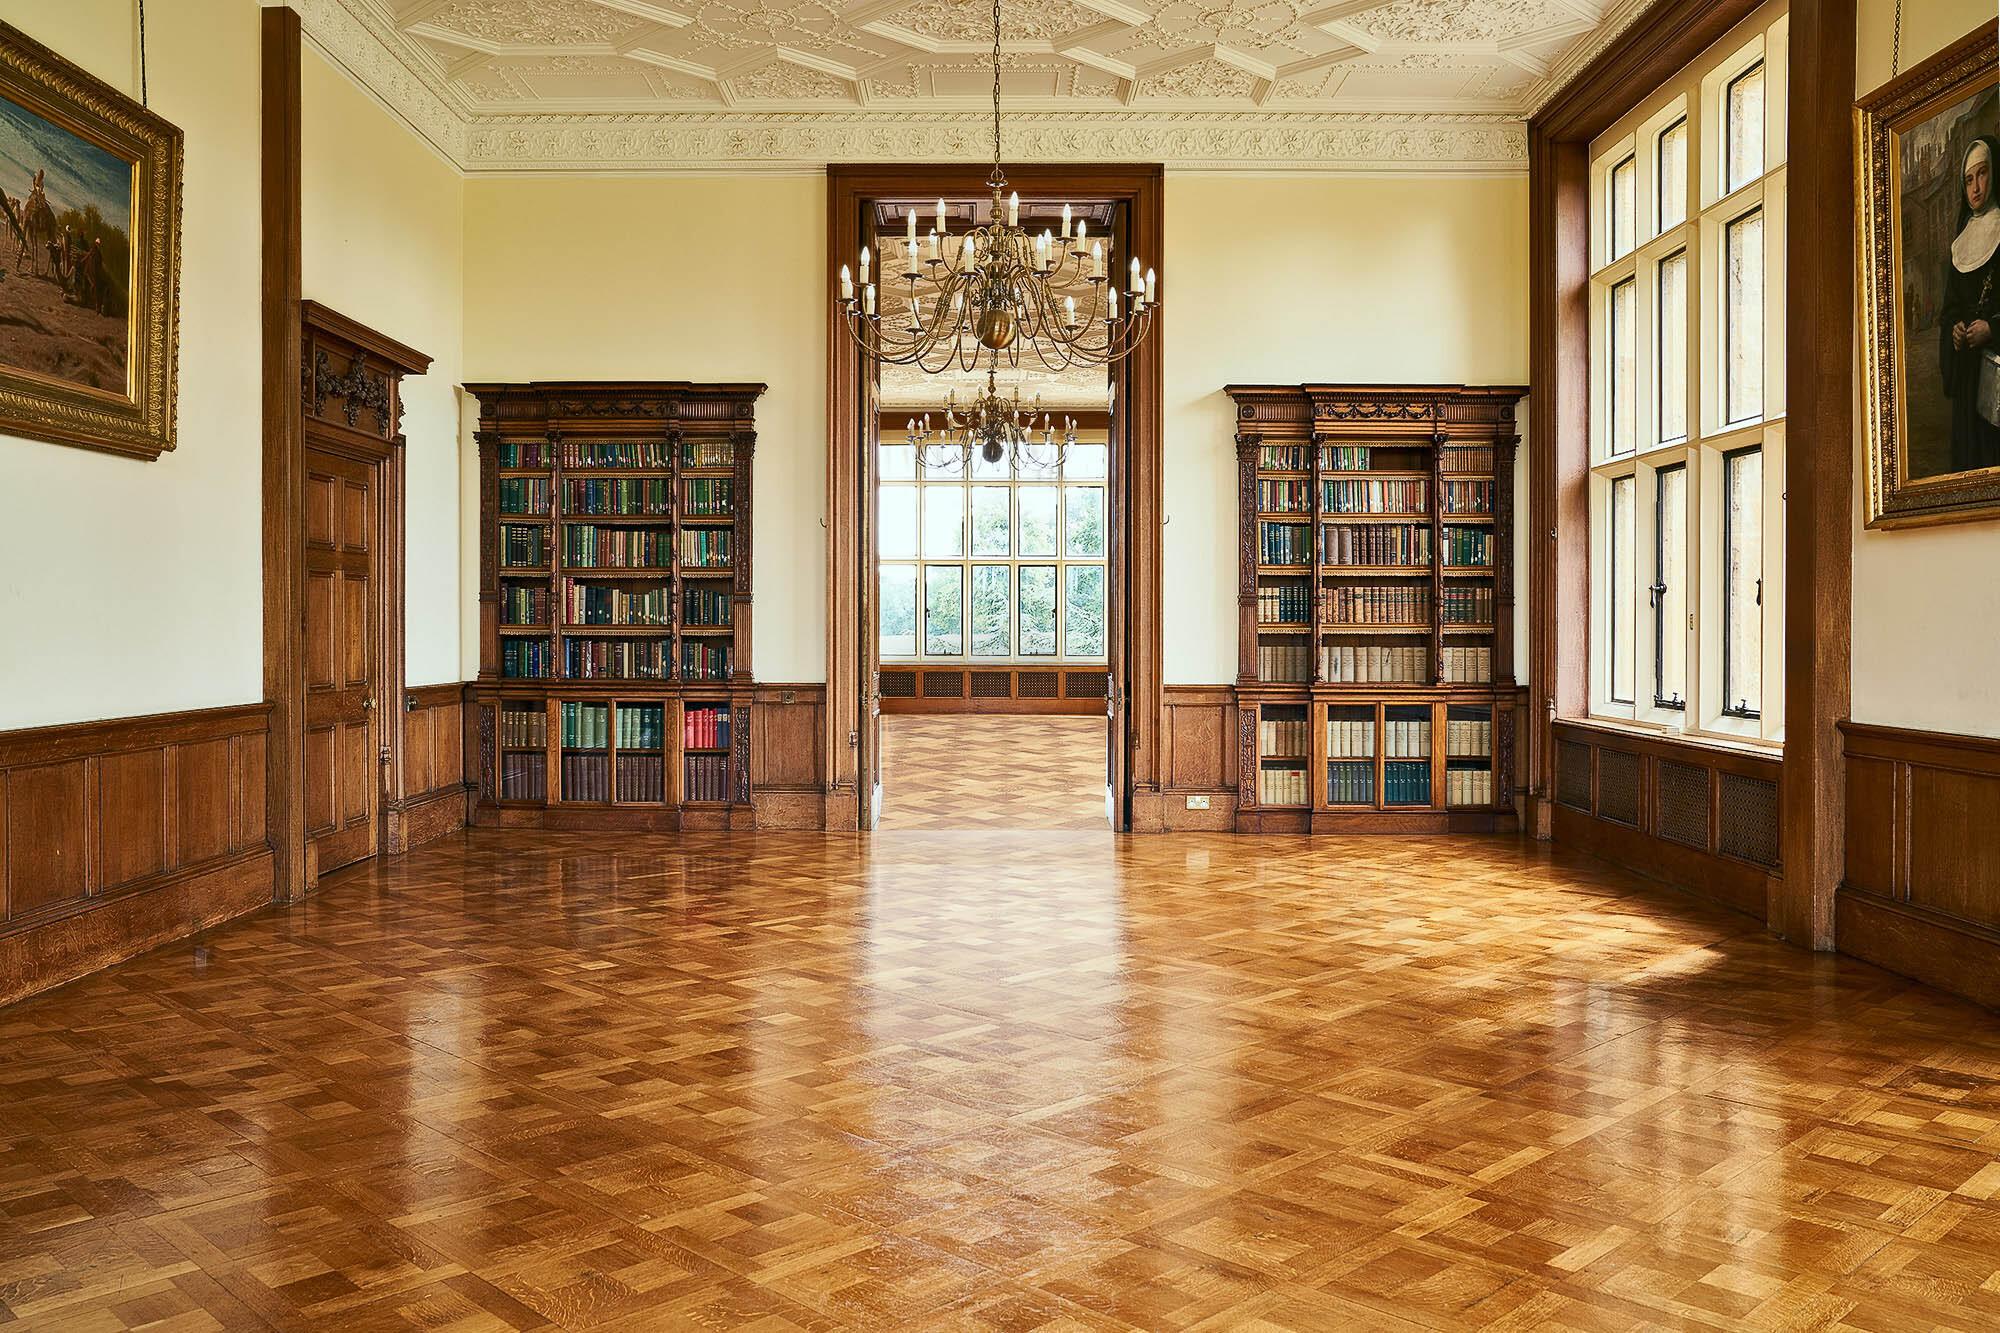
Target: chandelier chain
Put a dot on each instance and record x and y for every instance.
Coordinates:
(997, 290)
(998, 180)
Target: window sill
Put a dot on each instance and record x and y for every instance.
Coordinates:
(1743, 745)
(1010, 663)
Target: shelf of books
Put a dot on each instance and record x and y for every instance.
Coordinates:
(615, 676)
(1375, 677)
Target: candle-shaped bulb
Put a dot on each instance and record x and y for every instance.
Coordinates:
(1138, 279)
(1069, 311)
(941, 226)
(1096, 259)
(868, 299)
(1014, 209)
(1111, 304)
(934, 243)
(1152, 287)
(846, 284)
(1065, 234)
(864, 265)
(910, 218)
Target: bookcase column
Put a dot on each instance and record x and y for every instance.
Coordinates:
(744, 442)
(1247, 444)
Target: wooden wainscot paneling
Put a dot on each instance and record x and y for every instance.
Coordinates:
(786, 767)
(1200, 756)
(1702, 818)
(1921, 892)
(119, 836)
(1074, 691)
(432, 802)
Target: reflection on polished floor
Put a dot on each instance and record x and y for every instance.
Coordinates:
(992, 771)
(1021, 1081)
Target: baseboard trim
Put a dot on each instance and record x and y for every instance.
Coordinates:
(136, 921)
(1934, 948)
(797, 808)
(416, 820)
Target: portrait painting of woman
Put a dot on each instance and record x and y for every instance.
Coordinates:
(1969, 319)
(1929, 251)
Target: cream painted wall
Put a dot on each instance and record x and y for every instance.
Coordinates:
(383, 243)
(1926, 612)
(706, 278)
(129, 588)
(1277, 280)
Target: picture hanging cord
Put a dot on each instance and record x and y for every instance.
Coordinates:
(143, 53)
(1895, 43)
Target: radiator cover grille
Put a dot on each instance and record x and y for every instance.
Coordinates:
(1749, 829)
(944, 685)
(1086, 684)
(1037, 685)
(1618, 786)
(1573, 775)
(1683, 802)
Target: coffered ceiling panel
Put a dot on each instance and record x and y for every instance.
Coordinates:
(528, 82)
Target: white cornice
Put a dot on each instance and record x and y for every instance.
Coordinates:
(354, 36)
(1618, 18)
(1270, 140)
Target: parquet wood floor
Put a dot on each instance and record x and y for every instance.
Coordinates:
(996, 1081)
(992, 771)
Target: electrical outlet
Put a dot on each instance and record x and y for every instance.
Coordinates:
(1197, 803)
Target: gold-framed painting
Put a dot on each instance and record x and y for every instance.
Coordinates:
(90, 212)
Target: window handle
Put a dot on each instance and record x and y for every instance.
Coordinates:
(1657, 590)
(1760, 592)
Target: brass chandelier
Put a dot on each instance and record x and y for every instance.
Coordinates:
(993, 427)
(996, 290)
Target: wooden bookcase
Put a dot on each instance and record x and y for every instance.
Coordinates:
(1375, 684)
(614, 609)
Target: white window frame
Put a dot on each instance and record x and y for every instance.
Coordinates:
(1014, 561)
(1696, 97)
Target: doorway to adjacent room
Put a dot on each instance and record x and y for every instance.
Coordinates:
(993, 555)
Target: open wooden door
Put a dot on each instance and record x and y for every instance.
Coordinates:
(870, 764)
(1117, 630)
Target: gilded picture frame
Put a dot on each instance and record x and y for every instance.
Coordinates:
(89, 342)
(1916, 145)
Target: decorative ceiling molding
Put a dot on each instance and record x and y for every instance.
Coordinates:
(504, 86)
(356, 38)
(1178, 139)
(1616, 22)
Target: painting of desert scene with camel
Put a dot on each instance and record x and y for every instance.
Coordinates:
(65, 254)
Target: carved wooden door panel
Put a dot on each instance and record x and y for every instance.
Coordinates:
(341, 747)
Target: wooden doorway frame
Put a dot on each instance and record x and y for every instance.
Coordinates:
(1137, 505)
(291, 386)
(351, 379)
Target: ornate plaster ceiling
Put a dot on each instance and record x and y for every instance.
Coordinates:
(1288, 82)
